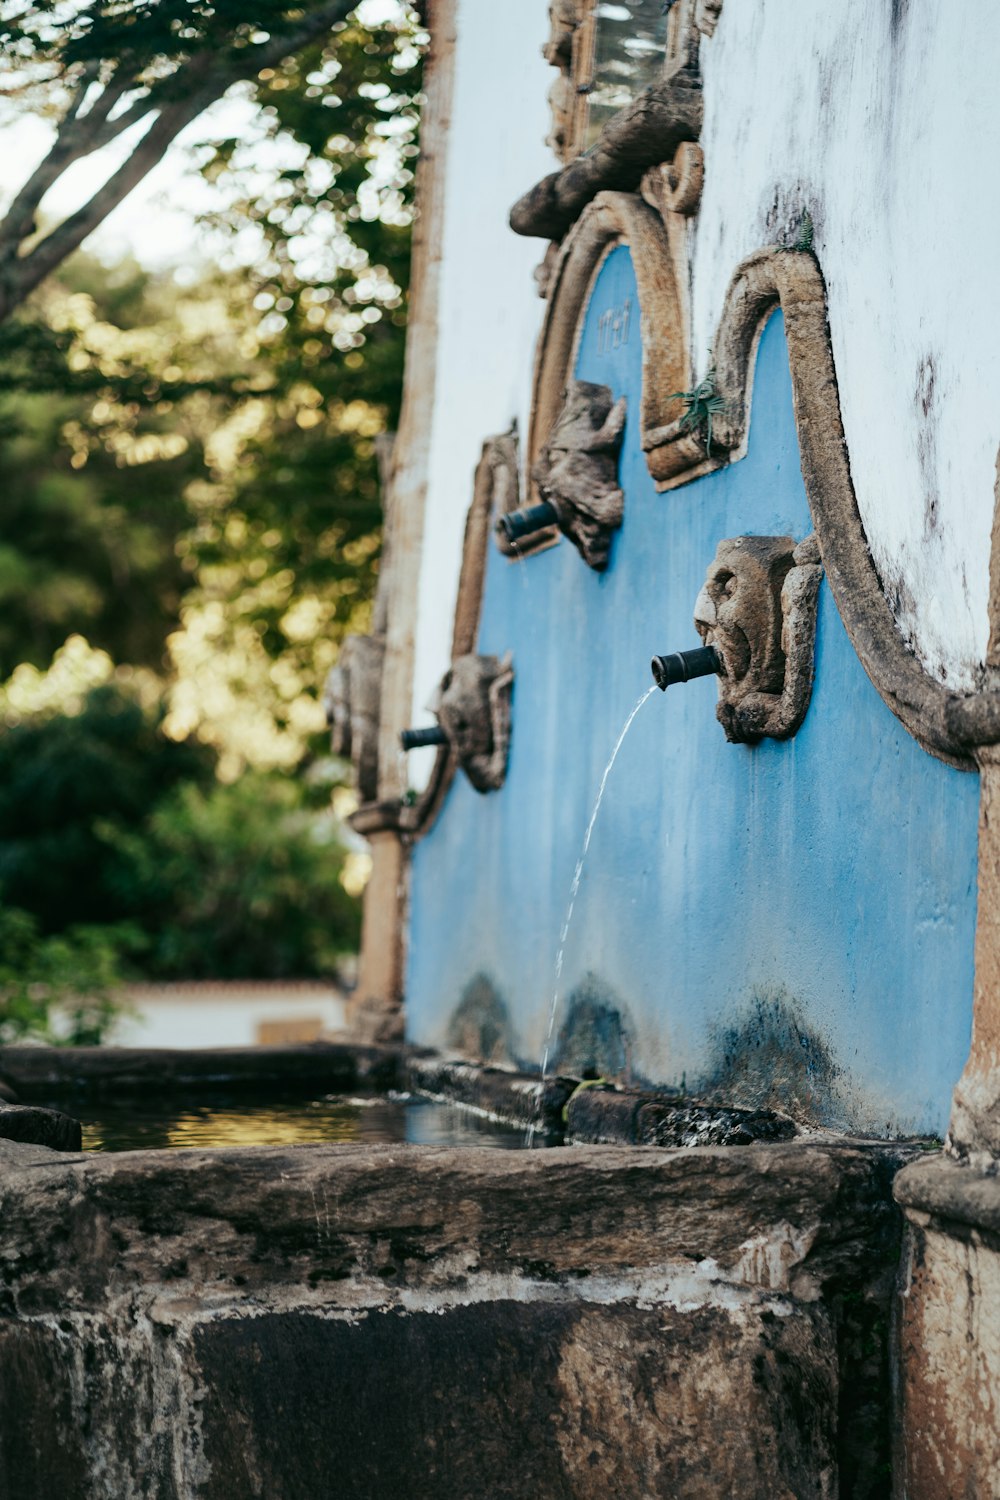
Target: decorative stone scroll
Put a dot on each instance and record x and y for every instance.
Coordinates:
(351, 702)
(956, 727)
(758, 609)
(577, 472)
(675, 187)
(643, 133)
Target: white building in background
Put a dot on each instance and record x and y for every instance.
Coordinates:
(228, 1013)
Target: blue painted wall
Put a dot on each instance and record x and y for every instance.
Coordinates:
(789, 923)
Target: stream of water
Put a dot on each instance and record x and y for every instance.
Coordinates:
(578, 872)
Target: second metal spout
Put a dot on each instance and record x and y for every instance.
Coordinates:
(515, 524)
(682, 666)
(416, 739)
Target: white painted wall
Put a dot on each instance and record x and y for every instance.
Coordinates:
(883, 117)
(490, 311)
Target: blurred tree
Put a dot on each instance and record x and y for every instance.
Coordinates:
(107, 826)
(66, 781)
(206, 453)
(241, 880)
(103, 68)
(88, 523)
(59, 989)
(198, 491)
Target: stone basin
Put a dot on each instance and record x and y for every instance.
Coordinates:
(386, 1321)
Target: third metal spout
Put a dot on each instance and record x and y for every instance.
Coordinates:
(681, 666)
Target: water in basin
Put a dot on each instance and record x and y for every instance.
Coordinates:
(221, 1119)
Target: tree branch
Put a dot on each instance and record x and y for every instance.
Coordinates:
(19, 219)
(19, 277)
(23, 275)
(280, 47)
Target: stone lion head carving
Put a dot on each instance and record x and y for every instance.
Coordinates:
(757, 607)
(577, 471)
(472, 706)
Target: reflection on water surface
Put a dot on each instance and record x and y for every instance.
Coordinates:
(221, 1120)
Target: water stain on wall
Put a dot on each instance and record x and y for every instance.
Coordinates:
(480, 1026)
(768, 1057)
(595, 1038)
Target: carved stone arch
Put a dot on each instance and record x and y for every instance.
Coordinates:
(495, 486)
(613, 219)
(953, 726)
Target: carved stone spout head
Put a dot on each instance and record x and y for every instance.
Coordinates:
(757, 607)
(472, 706)
(739, 609)
(577, 472)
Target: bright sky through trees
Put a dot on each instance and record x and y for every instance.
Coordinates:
(158, 222)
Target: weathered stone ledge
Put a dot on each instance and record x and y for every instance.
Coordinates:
(100, 1072)
(74, 1228)
(40, 1127)
(599, 1116)
(374, 1321)
(507, 1097)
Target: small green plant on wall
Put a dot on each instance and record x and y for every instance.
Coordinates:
(702, 404)
(804, 237)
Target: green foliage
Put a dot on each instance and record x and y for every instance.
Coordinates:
(66, 782)
(152, 39)
(329, 289)
(103, 820)
(703, 403)
(60, 989)
(188, 476)
(241, 880)
(202, 468)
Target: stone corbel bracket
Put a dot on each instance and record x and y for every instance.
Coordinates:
(577, 471)
(351, 702)
(758, 609)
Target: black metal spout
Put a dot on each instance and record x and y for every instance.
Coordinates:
(520, 523)
(416, 739)
(681, 666)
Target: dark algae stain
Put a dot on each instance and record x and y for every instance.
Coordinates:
(768, 1057)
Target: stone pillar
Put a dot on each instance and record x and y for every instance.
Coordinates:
(975, 1116)
(949, 1318)
(376, 1006)
(376, 1012)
